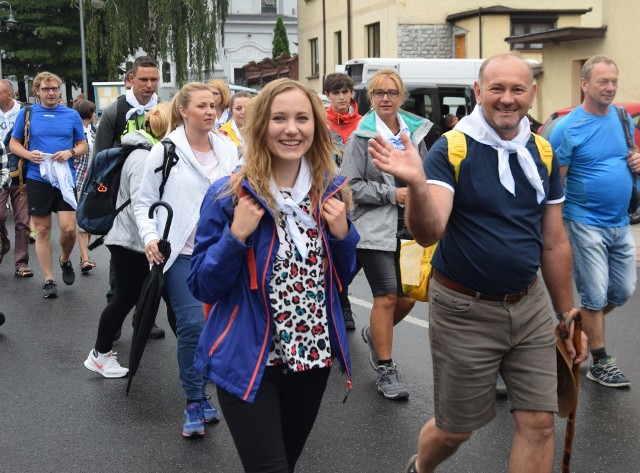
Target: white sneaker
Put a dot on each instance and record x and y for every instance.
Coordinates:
(106, 364)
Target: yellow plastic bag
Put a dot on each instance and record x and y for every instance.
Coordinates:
(415, 269)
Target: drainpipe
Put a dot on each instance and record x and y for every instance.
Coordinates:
(324, 43)
(348, 30)
(480, 31)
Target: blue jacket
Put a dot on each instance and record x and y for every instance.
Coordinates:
(234, 345)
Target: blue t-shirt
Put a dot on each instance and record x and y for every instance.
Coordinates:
(51, 130)
(598, 182)
(493, 240)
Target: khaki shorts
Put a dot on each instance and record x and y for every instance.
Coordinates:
(471, 340)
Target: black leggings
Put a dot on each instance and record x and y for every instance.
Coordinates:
(270, 433)
(130, 270)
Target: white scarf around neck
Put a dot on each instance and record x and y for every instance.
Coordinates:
(237, 131)
(476, 127)
(387, 134)
(291, 209)
(136, 107)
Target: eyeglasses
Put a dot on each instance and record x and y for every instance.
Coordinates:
(47, 90)
(380, 93)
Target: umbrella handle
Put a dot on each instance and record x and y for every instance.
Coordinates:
(162, 203)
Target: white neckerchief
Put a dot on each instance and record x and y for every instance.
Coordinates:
(476, 127)
(237, 131)
(222, 119)
(388, 135)
(136, 107)
(290, 208)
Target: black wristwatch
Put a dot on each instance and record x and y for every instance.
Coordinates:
(561, 316)
(73, 152)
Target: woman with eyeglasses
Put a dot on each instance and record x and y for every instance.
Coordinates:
(222, 99)
(378, 216)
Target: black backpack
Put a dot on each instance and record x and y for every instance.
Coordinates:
(97, 207)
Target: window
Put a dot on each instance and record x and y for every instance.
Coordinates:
(269, 6)
(337, 42)
(315, 58)
(166, 72)
(530, 25)
(373, 40)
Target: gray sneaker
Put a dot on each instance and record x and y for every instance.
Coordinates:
(501, 388)
(607, 373)
(373, 359)
(411, 465)
(389, 384)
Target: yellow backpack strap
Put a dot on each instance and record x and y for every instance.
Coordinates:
(545, 150)
(457, 145)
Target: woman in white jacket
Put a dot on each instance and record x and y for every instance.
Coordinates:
(203, 157)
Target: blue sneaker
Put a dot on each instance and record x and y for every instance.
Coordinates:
(210, 412)
(193, 420)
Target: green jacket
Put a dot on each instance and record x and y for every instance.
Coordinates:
(375, 210)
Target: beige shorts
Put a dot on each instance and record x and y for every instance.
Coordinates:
(472, 340)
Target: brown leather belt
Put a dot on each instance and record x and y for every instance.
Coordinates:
(457, 287)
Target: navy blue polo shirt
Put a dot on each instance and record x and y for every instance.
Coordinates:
(493, 240)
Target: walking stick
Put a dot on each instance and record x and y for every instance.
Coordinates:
(575, 370)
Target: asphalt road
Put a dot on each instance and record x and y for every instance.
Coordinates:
(56, 416)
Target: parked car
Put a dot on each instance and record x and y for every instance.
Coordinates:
(325, 100)
(238, 88)
(633, 108)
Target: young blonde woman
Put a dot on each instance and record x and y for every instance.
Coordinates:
(203, 157)
(378, 215)
(222, 97)
(233, 128)
(273, 249)
(130, 266)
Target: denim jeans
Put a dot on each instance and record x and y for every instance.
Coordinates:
(190, 322)
(604, 263)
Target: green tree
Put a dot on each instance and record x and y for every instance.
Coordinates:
(183, 31)
(46, 38)
(280, 39)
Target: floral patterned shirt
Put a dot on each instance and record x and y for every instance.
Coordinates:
(297, 296)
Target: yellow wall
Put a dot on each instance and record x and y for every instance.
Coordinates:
(559, 83)
(435, 11)
(392, 13)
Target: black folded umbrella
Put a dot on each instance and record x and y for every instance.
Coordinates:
(149, 300)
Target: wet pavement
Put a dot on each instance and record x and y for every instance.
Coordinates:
(55, 415)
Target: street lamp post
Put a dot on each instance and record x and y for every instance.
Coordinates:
(95, 4)
(85, 87)
(9, 24)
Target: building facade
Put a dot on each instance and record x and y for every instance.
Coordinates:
(609, 32)
(334, 31)
(249, 33)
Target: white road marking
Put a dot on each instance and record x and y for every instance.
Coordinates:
(408, 318)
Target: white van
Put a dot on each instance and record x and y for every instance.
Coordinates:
(435, 87)
(433, 71)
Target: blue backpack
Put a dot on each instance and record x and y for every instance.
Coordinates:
(97, 206)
